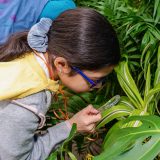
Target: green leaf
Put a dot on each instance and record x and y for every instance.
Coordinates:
(72, 156)
(128, 85)
(70, 137)
(146, 62)
(53, 156)
(151, 94)
(155, 32)
(87, 97)
(157, 74)
(148, 82)
(156, 3)
(158, 56)
(76, 103)
(112, 113)
(126, 102)
(136, 112)
(132, 143)
(145, 40)
(146, 48)
(156, 12)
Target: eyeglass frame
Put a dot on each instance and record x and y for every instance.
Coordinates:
(91, 82)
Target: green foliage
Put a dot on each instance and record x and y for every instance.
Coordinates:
(113, 113)
(128, 85)
(130, 88)
(64, 148)
(138, 28)
(130, 143)
(137, 25)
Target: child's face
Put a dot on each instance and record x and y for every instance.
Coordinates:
(78, 83)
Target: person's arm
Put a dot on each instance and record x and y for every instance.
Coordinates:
(45, 144)
(17, 131)
(18, 126)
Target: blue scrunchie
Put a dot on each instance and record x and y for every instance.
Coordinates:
(37, 36)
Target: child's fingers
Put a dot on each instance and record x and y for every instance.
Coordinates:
(90, 110)
(95, 118)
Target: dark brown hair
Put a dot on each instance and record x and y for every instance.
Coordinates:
(82, 36)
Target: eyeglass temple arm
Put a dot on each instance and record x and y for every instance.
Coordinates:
(82, 74)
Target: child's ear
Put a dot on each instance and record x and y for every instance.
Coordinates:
(61, 65)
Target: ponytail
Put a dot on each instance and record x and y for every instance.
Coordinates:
(15, 47)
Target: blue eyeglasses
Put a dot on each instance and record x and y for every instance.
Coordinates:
(91, 82)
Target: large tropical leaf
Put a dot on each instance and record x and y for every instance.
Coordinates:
(133, 143)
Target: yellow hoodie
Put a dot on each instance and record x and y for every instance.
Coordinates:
(22, 77)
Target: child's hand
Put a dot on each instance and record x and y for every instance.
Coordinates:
(86, 119)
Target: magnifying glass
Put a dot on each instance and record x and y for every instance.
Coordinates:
(112, 102)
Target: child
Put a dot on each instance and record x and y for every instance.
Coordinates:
(20, 15)
(79, 48)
